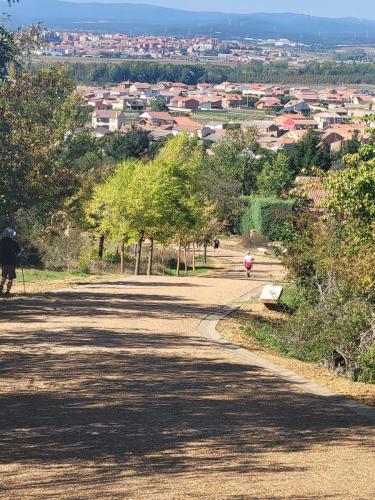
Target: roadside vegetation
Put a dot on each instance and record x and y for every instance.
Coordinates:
(329, 310)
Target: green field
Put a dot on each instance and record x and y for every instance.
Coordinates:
(231, 115)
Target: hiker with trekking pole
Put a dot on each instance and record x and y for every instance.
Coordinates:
(9, 252)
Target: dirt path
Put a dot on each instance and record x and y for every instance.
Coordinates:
(108, 391)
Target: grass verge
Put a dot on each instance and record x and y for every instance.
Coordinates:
(45, 275)
(198, 271)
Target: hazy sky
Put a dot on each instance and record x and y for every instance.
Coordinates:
(331, 8)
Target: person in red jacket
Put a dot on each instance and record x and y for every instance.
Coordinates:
(9, 251)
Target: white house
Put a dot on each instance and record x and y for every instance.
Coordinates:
(108, 119)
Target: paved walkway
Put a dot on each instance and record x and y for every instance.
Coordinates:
(108, 391)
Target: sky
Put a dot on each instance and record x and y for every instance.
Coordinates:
(364, 9)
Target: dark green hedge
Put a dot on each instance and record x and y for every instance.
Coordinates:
(266, 216)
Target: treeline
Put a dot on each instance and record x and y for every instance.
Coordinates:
(278, 73)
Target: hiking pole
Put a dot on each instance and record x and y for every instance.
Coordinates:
(23, 279)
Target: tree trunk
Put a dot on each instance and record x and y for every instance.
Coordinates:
(101, 246)
(150, 257)
(162, 260)
(194, 263)
(122, 257)
(178, 258)
(205, 252)
(138, 256)
(185, 260)
(11, 216)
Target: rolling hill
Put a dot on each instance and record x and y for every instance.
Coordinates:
(138, 19)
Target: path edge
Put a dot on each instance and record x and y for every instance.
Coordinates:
(208, 329)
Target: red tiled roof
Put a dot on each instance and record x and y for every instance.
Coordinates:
(313, 189)
(159, 115)
(186, 122)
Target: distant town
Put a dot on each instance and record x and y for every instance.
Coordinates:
(281, 115)
(237, 51)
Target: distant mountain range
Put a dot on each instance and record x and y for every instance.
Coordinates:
(135, 19)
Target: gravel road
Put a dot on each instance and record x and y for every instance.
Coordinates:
(107, 391)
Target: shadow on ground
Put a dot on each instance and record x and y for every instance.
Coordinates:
(118, 301)
(118, 397)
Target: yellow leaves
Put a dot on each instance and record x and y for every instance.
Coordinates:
(351, 160)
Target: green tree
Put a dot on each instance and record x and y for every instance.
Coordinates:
(225, 194)
(352, 145)
(352, 193)
(309, 152)
(38, 112)
(163, 200)
(250, 101)
(133, 144)
(285, 99)
(183, 158)
(106, 210)
(158, 105)
(15, 47)
(276, 178)
(235, 158)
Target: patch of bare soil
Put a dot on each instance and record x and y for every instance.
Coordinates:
(231, 329)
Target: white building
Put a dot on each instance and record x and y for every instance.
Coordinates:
(108, 119)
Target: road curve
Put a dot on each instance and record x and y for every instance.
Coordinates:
(109, 391)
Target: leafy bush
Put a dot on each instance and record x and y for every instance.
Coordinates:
(87, 257)
(366, 362)
(267, 216)
(61, 252)
(328, 331)
(111, 257)
(295, 297)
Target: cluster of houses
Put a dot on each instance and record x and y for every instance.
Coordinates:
(202, 48)
(288, 113)
(124, 46)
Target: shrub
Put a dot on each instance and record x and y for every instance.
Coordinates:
(330, 331)
(366, 364)
(111, 257)
(61, 252)
(86, 260)
(267, 216)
